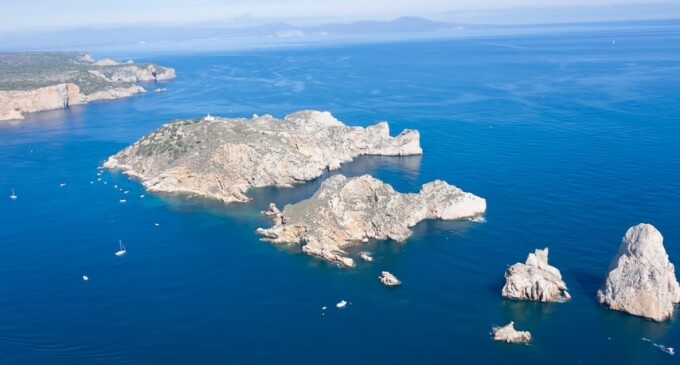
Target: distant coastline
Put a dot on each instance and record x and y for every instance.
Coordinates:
(34, 82)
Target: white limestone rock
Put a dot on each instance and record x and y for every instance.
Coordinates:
(641, 279)
(222, 158)
(535, 280)
(345, 210)
(388, 279)
(509, 334)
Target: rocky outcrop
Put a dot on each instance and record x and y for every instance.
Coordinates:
(535, 280)
(32, 82)
(641, 279)
(133, 74)
(115, 93)
(388, 279)
(509, 334)
(222, 158)
(345, 211)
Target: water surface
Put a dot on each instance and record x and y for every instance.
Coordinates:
(570, 137)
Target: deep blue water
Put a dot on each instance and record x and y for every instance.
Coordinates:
(570, 138)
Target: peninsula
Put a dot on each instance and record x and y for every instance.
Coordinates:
(33, 82)
(221, 158)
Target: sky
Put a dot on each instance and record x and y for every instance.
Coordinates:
(26, 15)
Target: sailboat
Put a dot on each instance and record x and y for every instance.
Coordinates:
(13, 196)
(122, 250)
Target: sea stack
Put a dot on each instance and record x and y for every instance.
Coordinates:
(345, 211)
(388, 279)
(535, 280)
(641, 279)
(509, 334)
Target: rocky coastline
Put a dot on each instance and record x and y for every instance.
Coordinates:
(48, 81)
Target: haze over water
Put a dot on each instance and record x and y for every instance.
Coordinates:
(571, 137)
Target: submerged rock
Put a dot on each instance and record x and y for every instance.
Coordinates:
(366, 256)
(641, 279)
(509, 334)
(222, 158)
(535, 280)
(388, 279)
(345, 210)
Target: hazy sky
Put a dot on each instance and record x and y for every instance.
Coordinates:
(25, 14)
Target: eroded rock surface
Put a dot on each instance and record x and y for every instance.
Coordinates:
(509, 334)
(535, 280)
(345, 211)
(641, 279)
(222, 158)
(32, 82)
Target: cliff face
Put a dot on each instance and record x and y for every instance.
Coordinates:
(345, 212)
(14, 103)
(222, 158)
(641, 280)
(48, 81)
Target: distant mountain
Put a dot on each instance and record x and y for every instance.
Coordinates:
(84, 38)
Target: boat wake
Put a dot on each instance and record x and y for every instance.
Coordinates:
(668, 350)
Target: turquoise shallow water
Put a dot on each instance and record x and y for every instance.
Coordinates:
(571, 138)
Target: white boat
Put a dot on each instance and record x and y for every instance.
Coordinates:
(341, 304)
(123, 200)
(122, 250)
(13, 196)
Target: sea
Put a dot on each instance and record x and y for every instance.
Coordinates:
(571, 136)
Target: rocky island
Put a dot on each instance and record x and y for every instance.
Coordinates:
(346, 211)
(509, 334)
(388, 279)
(221, 158)
(641, 279)
(535, 280)
(32, 82)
